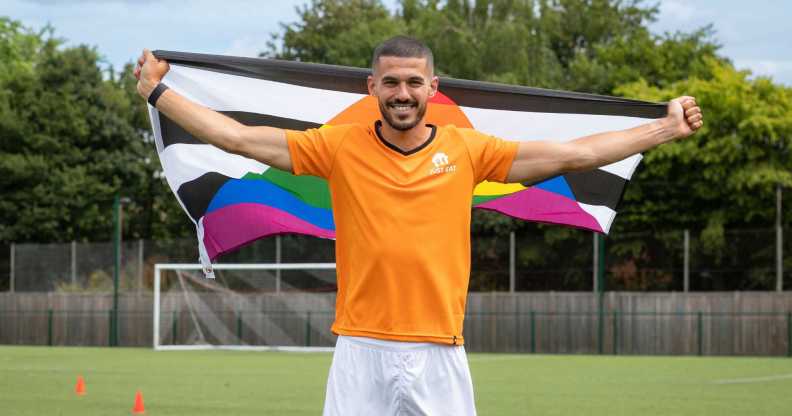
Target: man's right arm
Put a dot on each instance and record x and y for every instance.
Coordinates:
(265, 144)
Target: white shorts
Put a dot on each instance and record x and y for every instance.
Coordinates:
(383, 378)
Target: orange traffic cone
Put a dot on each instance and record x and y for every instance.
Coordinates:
(138, 408)
(79, 388)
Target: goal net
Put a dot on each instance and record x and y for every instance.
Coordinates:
(283, 306)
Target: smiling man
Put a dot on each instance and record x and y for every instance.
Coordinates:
(401, 192)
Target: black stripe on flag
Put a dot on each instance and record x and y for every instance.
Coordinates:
(172, 133)
(464, 92)
(596, 187)
(197, 194)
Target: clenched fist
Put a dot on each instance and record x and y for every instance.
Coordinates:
(684, 116)
(149, 71)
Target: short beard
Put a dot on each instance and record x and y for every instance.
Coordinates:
(401, 125)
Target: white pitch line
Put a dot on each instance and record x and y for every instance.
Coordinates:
(755, 379)
(495, 358)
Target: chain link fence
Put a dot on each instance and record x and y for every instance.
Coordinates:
(89, 267)
(535, 258)
(542, 259)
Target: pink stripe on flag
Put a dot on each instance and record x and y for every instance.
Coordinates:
(233, 226)
(539, 205)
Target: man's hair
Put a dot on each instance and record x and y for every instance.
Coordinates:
(403, 47)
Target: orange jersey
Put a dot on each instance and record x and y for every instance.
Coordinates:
(402, 224)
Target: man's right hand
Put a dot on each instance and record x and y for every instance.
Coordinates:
(149, 72)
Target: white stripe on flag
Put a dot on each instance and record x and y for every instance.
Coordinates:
(203, 255)
(185, 162)
(155, 125)
(224, 92)
(558, 127)
(601, 213)
(625, 167)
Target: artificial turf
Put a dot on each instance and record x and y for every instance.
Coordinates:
(41, 380)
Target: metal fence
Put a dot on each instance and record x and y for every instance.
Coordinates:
(535, 258)
(89, 267)
(668, 292)
(715, 323)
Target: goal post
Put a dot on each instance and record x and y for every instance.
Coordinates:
(253, 306)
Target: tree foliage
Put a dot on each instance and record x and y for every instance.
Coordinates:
(728, 172)
(584, 45)
(338, 32)
(72, 136)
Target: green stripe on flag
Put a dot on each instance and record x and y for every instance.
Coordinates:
(314, 191)
(480, 199)
(310, 189)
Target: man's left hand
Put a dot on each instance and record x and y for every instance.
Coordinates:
(684, 116)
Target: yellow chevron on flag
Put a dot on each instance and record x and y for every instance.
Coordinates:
(496, 188)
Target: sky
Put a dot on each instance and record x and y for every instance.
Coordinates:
(751, 33)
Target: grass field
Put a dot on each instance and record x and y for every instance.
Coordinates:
(40, 381)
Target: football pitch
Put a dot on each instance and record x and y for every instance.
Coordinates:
(41, 381)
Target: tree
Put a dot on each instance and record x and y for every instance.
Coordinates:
(724, 177)
(72, 136)
(341, 32)
(582, 45)
(658, 60)
(728, 172)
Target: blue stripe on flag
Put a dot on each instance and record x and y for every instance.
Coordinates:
(557, 185)
(240, 191)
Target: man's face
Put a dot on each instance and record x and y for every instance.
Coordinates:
(402, 86)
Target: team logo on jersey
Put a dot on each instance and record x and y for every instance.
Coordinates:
(440, 161)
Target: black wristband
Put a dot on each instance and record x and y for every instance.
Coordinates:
(154, 96)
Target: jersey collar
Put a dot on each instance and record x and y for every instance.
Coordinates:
(378, 127)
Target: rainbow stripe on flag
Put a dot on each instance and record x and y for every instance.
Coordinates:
(234, 200)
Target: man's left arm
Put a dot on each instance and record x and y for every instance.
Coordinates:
(539, 160)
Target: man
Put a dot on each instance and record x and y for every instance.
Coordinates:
(401, 192)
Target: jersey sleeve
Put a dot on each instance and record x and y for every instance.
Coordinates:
(313, 151)
(491, 157)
